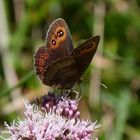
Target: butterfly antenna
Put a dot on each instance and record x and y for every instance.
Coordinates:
(103, 85)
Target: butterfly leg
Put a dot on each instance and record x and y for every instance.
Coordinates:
(73, 92)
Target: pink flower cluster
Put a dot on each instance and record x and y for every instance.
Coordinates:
(60, 105)
(59, 121)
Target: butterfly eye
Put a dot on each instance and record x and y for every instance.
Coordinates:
(60, 33)
(53, 42)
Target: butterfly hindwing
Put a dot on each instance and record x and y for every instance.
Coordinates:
(63, 73)
(41, 60)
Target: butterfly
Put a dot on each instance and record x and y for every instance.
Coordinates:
(57, 63)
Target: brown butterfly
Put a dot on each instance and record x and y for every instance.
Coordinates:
(57, 63)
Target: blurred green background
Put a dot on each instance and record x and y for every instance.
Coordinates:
(110, 86)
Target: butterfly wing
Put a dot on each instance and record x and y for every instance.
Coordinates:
(63, 73)
(85, 52)
(58, 39)
(41, 60)
(56, 63)
(58, 45)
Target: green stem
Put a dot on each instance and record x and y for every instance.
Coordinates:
(23, 80)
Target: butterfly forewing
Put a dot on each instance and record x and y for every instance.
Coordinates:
(85, 52)
(58, 39)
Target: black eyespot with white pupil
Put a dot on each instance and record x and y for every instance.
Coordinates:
(53, 42)
(60, 33)
(89, 46)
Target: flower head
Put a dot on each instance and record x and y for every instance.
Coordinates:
(61, 105)
(56, 123)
